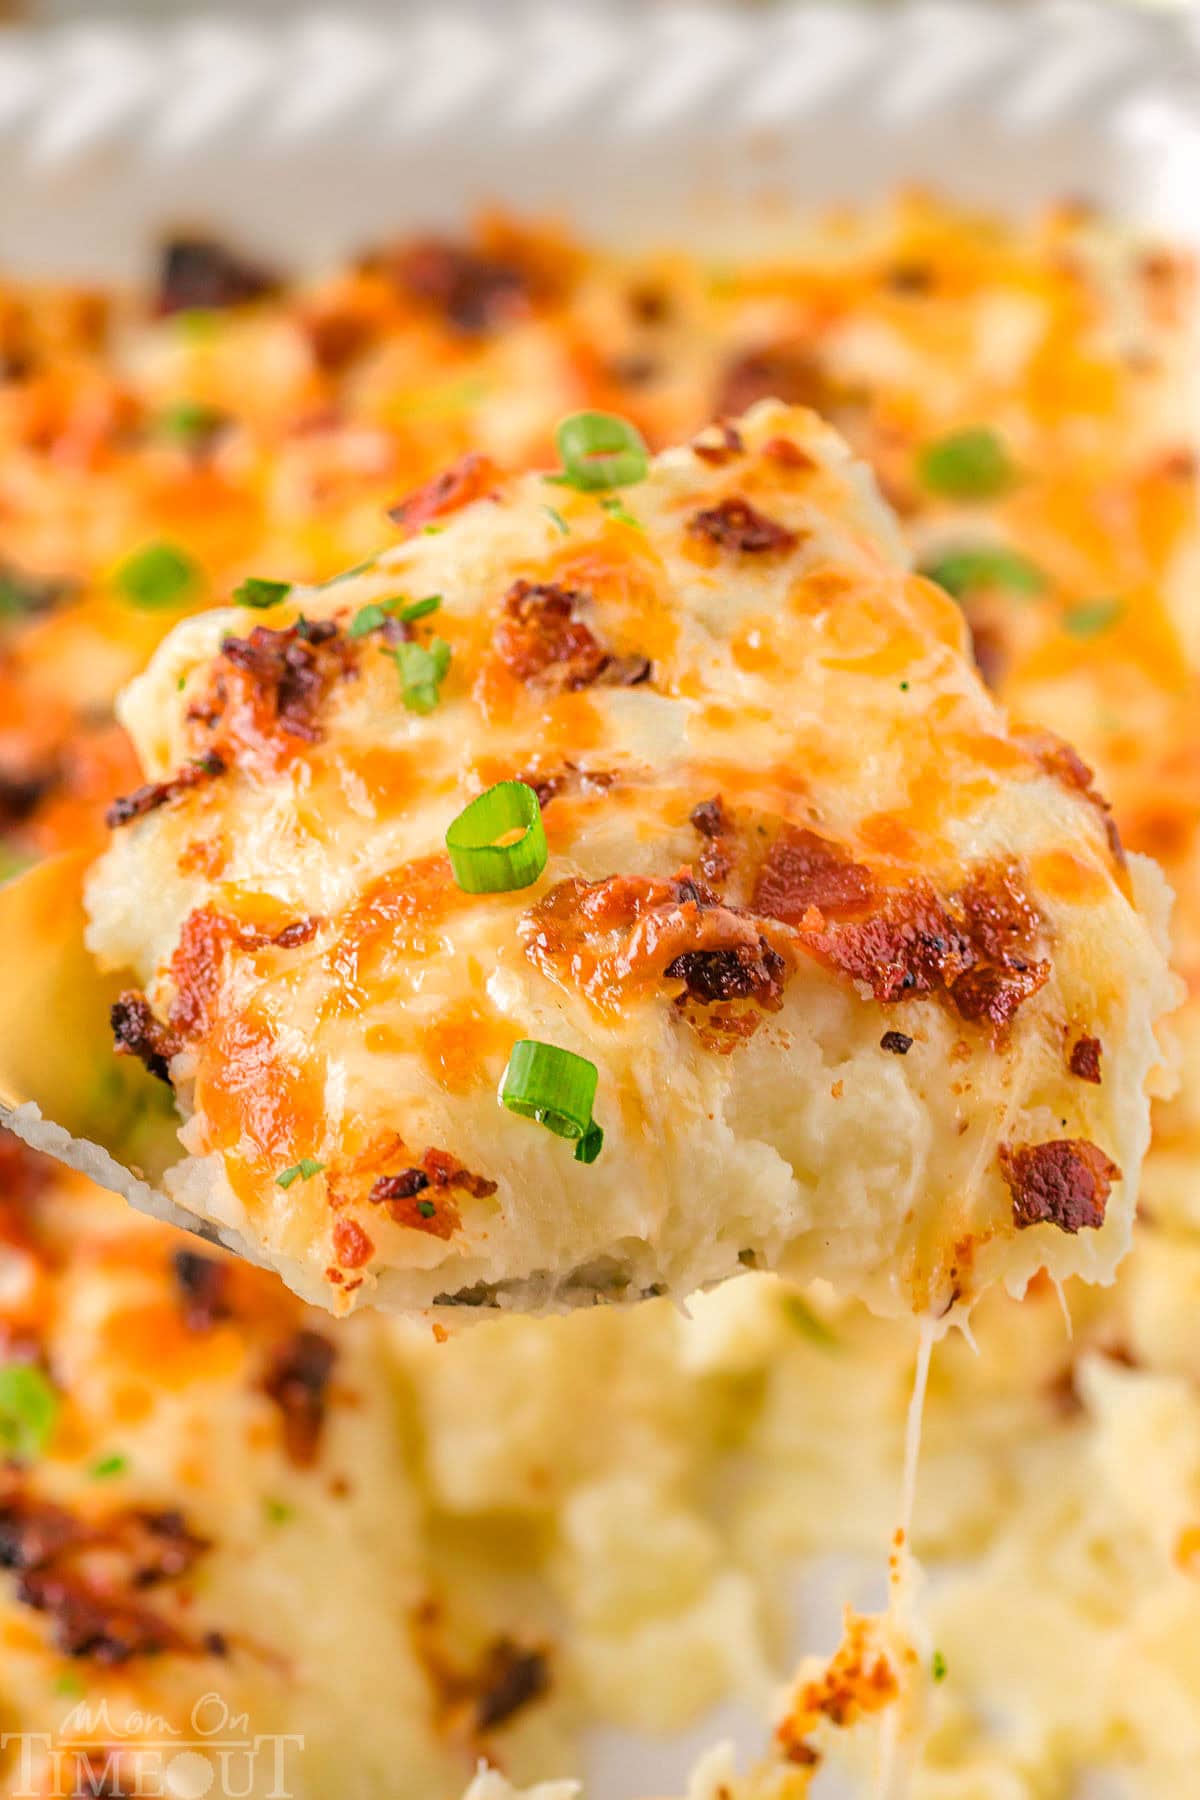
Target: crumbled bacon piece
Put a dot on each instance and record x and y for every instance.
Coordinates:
(746, 973)
(508, 1679)
(898, 1042)
(351, 1244)
(802, 870)
(300, 931)
(154, 794)
(419, 1197)
(1085, 1059)
(734, 524)
(296, 1381)
(569, 779)
(717, 829)
(1065, 1183)
(445, 1170)
(782, 371)
(268, 689)
(541, 640)
(472, 292)
(731, 445)
(203, 1284)
(787, 454)
(136, 1032)
(470, 478)
(199, 274)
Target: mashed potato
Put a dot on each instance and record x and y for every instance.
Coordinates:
(863, 980)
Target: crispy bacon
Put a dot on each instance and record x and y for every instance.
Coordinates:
(731, 445)
(419, 1197)
(509, 1678)
(1085, 1059)
(779, 371)
(1065, 1183)
(136, 1032)
(296, 1381)
(154, 794)
(542, 640)
(200, 274)
(470, 478)
(267, 690)
(1064, 763)
(633, 930)
(569, 779)
(203, 1284)
(352, 1247)
(802, 870)
(717, 829)
(898, 1042)
(471, 292)
(735, 525)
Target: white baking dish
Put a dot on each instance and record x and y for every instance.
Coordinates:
(303, 139)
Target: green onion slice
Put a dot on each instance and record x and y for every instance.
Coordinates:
(29, 1407)
(158, 575)
(558, 1089)
(259, 593)
(964, 570)
(481, 864)
(967, 465)
(304, 1170)
(422, 671)
(600, 451)
(1090, 618)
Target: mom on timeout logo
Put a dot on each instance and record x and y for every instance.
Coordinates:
(91, 1755)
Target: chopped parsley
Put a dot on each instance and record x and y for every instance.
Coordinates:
(967, 465)
(1091, 618)
(557, 518)
(422, 671)
(259, 593)
(190, 422)
(108, 1466)
(278, 1512)
(349, 574)
(963, 571)
(616, 509)
(29, 1408)
(938, 1666)
(156, 577)
(377, 613)
(301, 1171)
(69, 1685)
(426, 1208)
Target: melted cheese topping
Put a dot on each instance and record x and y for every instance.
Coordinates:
(794, 838)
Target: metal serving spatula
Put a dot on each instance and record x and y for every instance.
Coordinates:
(56, 1050)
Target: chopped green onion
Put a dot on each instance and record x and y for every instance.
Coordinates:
(259, 592)
(426, 1208)
(616, 509)
(557, 519)
(422, 671)
(963, 571)
(301, 1171)
(967, 465)
(349, 574)
(377, 613)
(278, 1512)
(432, 530)
(599, 451)
(190, 421)
(116, 1464)
(558, 1089)
(1089, 618)
(69, 1685)
(29, 1407)
(801, 1317)
(481, 864)
(937, 1666)
(159, 575)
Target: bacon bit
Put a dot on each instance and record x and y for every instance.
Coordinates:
(803, 870)
(203, 1284)
(198, 274)
(731, 445)
(198, 961)
(407, 1195)
(21, 795)
(735, 525)
(717, 829)
(445, 1171)
(473, 293)
(272, 685)
(570, 779)
(1085, 1059)
(136, 1032)
(858, 1680)
(66, 1568)
(1064, 764)
(508, 1678)
(296, 1380)
(351, 1244)
(787, 454)
(540, 640)
(898, 1042)
(606, 936)
(470, 478)
(148, 799)
(780, 371)
(300, 931)
(337, 336)
(1064, 1183)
